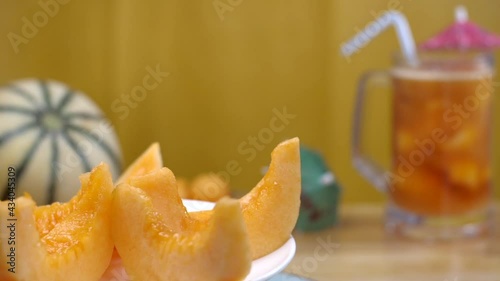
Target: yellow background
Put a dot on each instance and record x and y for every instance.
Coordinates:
(226, 76)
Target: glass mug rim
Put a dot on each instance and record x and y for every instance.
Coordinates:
(444, 56)
(437, 65)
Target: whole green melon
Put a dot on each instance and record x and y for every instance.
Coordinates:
(49, 135)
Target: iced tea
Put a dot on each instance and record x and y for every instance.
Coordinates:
(441, 140)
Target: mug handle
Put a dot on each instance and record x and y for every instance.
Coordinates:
(366, 166)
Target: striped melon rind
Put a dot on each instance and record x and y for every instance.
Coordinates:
(51, 134)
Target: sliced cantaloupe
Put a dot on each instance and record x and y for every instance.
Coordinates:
(147, 162)
(204, 187)
(69, 241)
(272, 207)
(153, 250)
(275, 201)
(209, 187)
(160, 186)
(184, 188)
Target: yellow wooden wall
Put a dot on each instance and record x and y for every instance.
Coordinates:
(229, 70)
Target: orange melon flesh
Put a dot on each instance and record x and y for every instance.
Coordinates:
(152, 251)
(279, 208)
(183, 188)
(30, 254)
(48, 216)
(271, 208)
(275, 202)
(209, 187)
(70, 241)
(150, 160)
(160, 186)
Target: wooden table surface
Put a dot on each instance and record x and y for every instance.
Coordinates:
(359, 249)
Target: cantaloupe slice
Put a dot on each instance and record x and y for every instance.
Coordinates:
(151, 249)
(160, 187)
(275, 201)
(150, 160)
(272, 207)
(209, 187)
(184, 188)
(60, 242)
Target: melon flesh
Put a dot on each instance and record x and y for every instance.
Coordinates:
(63, 242)
(152, 251)
(149, 161)
(271, 208)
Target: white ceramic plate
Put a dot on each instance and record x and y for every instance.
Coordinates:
(265, 267)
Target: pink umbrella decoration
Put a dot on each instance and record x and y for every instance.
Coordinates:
(462, 35)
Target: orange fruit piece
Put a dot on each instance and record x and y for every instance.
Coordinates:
(70, 241)
(150, 160)
(147, 162)
(160, 186)
(184, 188)
(158, 241)
(209, 187)
(273, 203)
(204, 187)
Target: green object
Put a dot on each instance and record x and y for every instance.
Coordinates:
(320, 193)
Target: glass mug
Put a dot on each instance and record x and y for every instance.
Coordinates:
(439, 184)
